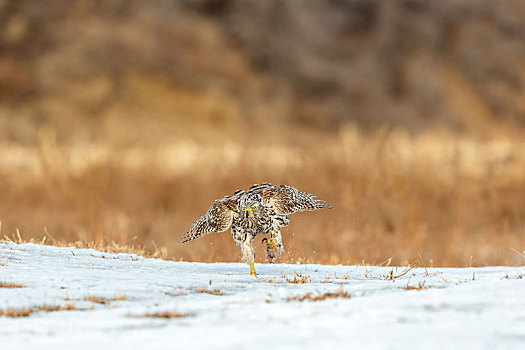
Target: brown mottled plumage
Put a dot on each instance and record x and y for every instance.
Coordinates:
(262, 209)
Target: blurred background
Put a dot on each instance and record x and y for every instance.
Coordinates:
(121, 121)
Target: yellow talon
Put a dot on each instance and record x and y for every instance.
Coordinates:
(272, 243)
(252, 270)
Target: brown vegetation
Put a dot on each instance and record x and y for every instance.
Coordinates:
(121, 122)
(10, 285)
(335, 279)
(105, 300)
(167, 314)
(445, 197)
(419, 286)
(209, 291)
(25, 312)
(299, 279)
(393, 275)
(318, 297)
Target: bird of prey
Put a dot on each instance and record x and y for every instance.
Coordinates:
(262, 209)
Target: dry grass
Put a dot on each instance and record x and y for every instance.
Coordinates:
(105, 300)
(392, 275)
(122, 148)
(517, 276)
(25, 312)
(445, 197)
(299, 279)
(318, 297)
(10, 285)
(209, 291)
(335, 277)
(419, 286)
(167, 314)
(108, 246)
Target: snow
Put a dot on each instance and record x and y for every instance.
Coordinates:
(480, 308)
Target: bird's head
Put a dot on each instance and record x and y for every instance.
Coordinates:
(250, 205)
(250, 208)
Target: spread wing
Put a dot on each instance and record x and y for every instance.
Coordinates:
(260, 188)
(286, 200)
(217, 219)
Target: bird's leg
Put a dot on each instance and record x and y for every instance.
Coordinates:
(248, 255)
(276, 240)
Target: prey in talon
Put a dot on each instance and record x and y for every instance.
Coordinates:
(270, 254)
(262, 209)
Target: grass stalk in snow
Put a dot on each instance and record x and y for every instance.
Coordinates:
(318, 297)
(299, 279)
(10, 285)
(167, 314)
(26, 311)
(104, 300)
(209, 291)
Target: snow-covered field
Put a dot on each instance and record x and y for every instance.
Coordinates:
(475, 308)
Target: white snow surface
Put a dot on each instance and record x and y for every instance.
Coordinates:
(462, 308)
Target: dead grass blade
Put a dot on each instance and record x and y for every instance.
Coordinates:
(519, 253)
(10, 285)
(392, 277)
(105, 300)
(299, 279)
(209, 291)
(167, 314)
(25, 312)
(318, 297)
(420, 286)
(335, 277)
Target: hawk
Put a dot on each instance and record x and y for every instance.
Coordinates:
(262, 209)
